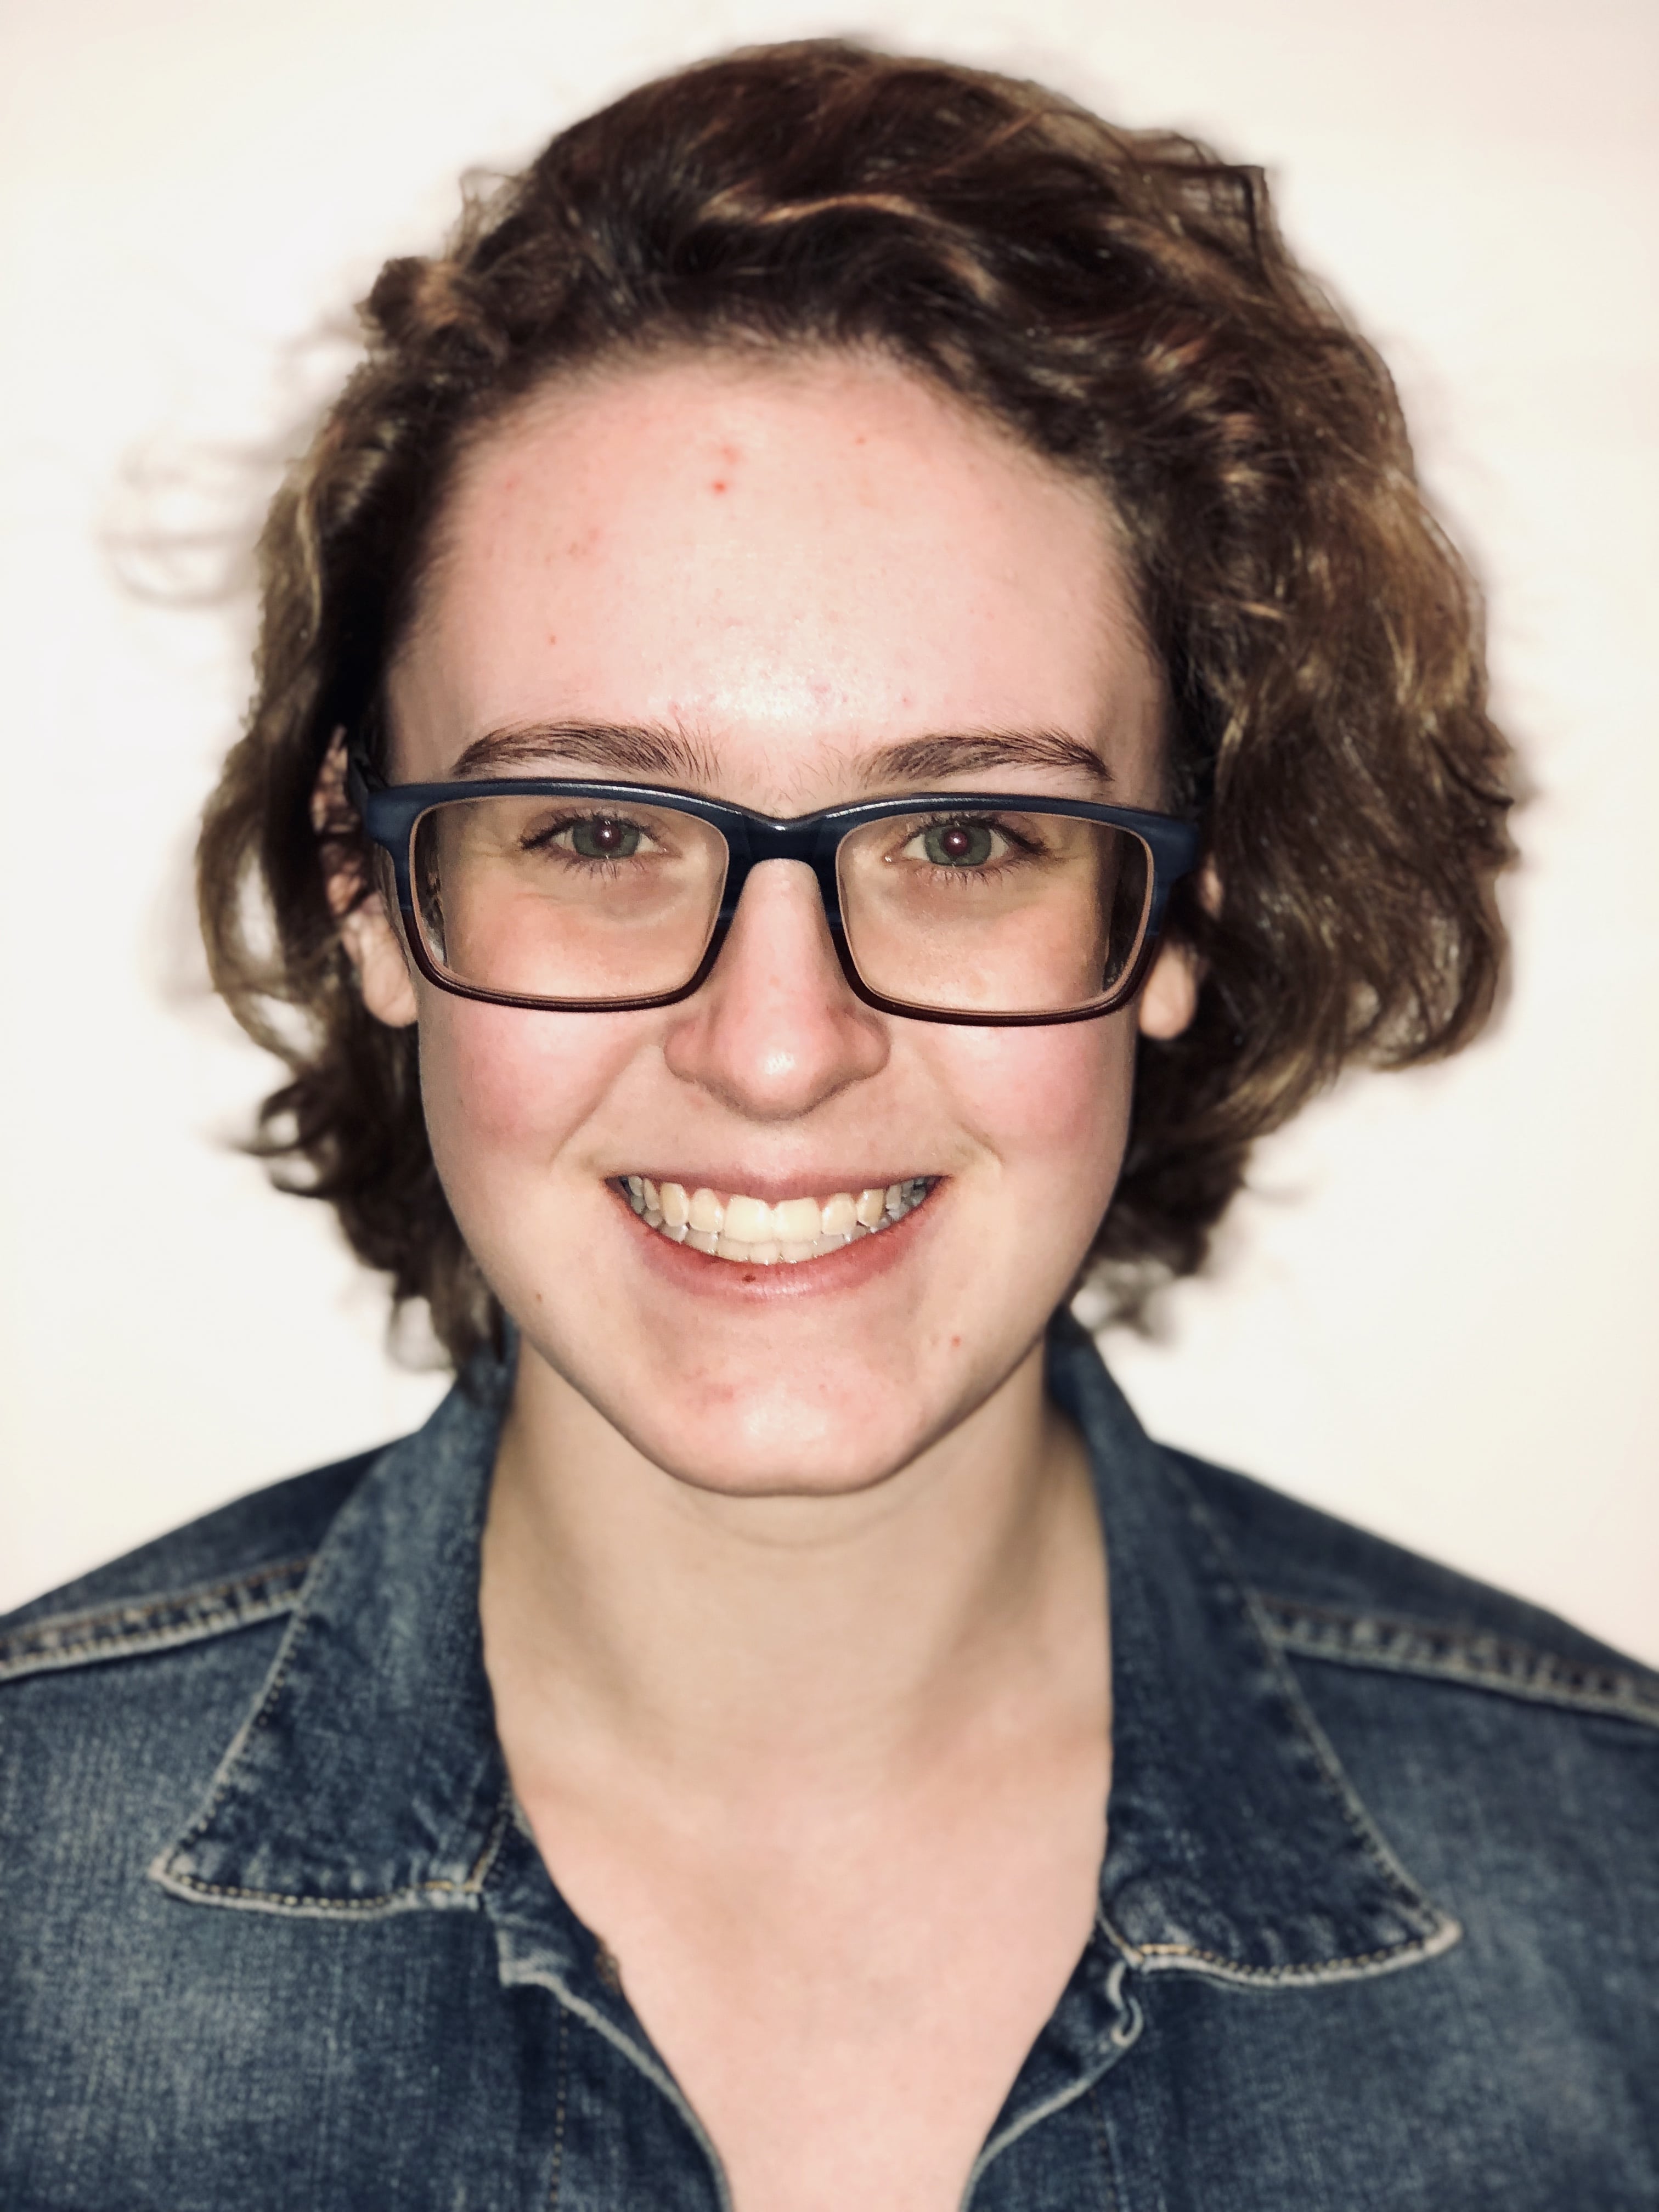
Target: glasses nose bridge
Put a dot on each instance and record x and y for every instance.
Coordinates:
(752, 840)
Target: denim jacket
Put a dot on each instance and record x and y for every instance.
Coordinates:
(1378, 1920)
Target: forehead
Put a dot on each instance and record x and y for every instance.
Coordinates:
(790, 560)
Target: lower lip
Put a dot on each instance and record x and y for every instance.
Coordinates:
(849, 1269)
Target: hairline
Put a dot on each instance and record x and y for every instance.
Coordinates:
(744, 350)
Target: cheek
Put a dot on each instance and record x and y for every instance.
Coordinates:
(501, 1084)
(1048, 1103)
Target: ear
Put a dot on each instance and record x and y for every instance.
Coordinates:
(375, 949)
(373, 941)
(1169, 998)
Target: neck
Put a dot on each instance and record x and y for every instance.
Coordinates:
(726, 1644)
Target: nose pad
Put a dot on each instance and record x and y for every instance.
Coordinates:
(776, 1029)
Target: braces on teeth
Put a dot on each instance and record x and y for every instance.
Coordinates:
(749, 1229)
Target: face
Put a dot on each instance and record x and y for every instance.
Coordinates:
(786, 571)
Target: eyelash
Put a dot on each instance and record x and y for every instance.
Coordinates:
(545, 837)
(1023, 847)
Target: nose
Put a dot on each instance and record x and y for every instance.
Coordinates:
(776, 1031)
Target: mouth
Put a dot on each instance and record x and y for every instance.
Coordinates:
(730, 1225)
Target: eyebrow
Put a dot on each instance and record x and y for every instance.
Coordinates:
(655, 750)
(931, 759)
(633, 748)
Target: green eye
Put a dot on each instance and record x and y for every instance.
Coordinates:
(959, 844)
(601, 837)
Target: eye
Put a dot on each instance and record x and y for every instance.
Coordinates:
(959, 844)
(603, 837)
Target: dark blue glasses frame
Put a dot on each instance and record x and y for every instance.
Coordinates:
(389, 813)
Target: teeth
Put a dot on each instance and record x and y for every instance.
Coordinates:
(839, 1215)
(748, 1220)
(749, 1229)
(796, 1221)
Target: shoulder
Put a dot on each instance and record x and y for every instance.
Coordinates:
(1332, 1592)
(231, 1570)
(120, 1692)
(1509, 1761)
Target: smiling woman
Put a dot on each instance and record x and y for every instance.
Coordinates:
(856, 697)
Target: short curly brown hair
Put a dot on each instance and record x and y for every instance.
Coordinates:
(1120, 302)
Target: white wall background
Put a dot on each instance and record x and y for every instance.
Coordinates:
(1437, 1312)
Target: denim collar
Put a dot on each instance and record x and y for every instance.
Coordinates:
(367, 1780)
(1236, 1848)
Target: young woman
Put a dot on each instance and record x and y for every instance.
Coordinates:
(854, 698)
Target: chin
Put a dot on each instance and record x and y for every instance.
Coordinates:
(792, 1439)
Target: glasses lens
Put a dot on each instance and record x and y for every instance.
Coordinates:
(990, 911)
(570, 899)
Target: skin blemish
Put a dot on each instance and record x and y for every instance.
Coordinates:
(719, 485)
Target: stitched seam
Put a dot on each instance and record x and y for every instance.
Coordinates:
(227, 1773)
(441, 1883)
(66, 1638)
(1427, 1669)
(64, 1659)
(643, 2059)
(1275, 1973)
(1410, 1899)
(161, 1604)
(558, 2117)
(1448, 1655)
(1103, 2140)
(486, 1859)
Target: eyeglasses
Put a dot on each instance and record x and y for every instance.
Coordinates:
(974, 907)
